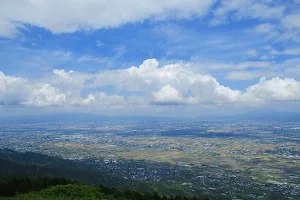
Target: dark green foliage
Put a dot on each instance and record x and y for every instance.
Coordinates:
(65, 192)
(12, 186)
(59, 188)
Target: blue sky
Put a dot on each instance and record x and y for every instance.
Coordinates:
(149, 57)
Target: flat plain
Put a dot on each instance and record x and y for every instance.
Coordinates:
(231, 159)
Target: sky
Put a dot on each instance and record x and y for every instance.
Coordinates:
(150, 57)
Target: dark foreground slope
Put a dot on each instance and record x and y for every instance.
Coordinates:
(31, 172)
(59, 188)
(67, 192)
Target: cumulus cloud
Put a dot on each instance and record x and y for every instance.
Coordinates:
(276, 89)
(173, 84)
(46, 95)
(13, 90)
(181, 84)
(167, 84)
(68, 79)
(17, 90)
(61, 89)
(61, 16)
(103, 100)
(167, 95)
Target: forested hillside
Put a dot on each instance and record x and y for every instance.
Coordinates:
(37, 176)
(60, 188)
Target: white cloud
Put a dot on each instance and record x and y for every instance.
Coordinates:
(68, 16)
(269, 31)
(241, 9)
(167, 95)
(276, 89)
(253, 64)
(69, 81)
(291, 21)
(171, 84)
(88, 100)
(178, 83)
(101, 99)
(64, 55)
(264, 28)
(285, 29)
(89, 58)
(241, 65)
(16, 90)
(7, 28)
(251, 52)
(241, 75)
(13, 89)
(46, 95)
(292, 51)
(294, 70)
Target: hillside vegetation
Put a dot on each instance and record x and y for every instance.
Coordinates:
(62, 189)
(32, 165)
